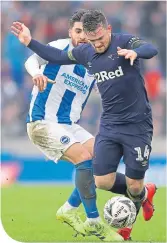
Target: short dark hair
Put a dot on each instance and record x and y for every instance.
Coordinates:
(92, 19)
(76, 17)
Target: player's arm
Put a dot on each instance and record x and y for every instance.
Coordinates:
(52, 54)
(33, 67)
(135, 47)
(57, 56)
(142, 48)
(33, 64)
(48, 53)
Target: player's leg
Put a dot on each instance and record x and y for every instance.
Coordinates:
(89, 145)
(87, 140)
(102, 166)
(82, 160)
(84, 180)
(55, 142)
(50, 139)
(107, 157)
(120, 186)
(84, 191)
(136, 157)
(92, 225)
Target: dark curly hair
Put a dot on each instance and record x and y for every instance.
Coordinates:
(92, 19)
(76, 17)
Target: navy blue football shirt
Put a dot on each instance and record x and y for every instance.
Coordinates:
(123, 94)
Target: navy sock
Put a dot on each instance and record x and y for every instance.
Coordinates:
(137, 199)
(74, 199)
(85, 185)
(120, 184)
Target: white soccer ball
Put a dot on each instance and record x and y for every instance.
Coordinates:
(120, 212)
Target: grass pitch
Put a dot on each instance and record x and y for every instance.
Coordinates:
(28, 215)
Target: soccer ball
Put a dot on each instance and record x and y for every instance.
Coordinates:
(120, 212)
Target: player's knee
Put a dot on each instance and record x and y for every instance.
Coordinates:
(77, 153)
(135, 186)
(83, 156)
(104, 182)
(89, 145)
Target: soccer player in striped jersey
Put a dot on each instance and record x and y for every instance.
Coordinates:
(59, 95)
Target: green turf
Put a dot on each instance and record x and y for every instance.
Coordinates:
(28, 215)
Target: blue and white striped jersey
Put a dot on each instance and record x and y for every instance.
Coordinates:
(63, 101)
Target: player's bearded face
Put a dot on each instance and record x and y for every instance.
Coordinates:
(77, 35)
(100, 39)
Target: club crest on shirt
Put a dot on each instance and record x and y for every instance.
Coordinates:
(64, 139)
(89, 64)
(113, 56)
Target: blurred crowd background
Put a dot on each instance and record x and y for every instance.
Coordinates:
(48, 21)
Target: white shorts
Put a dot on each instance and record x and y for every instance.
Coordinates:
(53, 139)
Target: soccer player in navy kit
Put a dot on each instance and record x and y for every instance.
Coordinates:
(126, 123)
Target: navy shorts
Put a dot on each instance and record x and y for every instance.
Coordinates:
(134, 149)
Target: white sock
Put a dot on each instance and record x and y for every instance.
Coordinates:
(94, 220)
(66, 207)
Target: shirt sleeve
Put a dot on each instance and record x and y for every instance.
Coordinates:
(80, 54)
(143, 49)
(51, 54)
(134, 42)
(33, 64)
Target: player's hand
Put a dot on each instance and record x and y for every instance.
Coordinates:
(128, 54)
(22, 32)
(41, 81)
